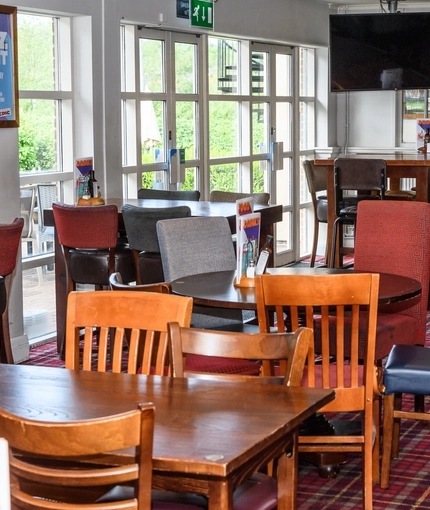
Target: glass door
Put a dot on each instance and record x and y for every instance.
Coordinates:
(160, 110)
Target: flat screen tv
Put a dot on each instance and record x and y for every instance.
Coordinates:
(379, 51)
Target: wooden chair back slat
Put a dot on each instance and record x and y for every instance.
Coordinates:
(292, 348)
(133, 323)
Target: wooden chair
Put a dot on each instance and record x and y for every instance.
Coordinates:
(47, 460)
(289, 349)
(116, 283)
(146, 314)
(345, 296)
(10, 239)
(316, 178)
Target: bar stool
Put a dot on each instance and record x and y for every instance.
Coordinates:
(368, 177)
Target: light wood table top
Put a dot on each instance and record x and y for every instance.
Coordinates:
(195, 420)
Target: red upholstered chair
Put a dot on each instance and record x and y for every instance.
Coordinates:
(89, 239)
(10, 238)
(394, 237)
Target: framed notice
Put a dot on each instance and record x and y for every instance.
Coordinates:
(9, 110)
(183, 9)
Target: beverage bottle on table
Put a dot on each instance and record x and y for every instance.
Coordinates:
(263, 259)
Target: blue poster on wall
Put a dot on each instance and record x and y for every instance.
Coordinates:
(7, 86)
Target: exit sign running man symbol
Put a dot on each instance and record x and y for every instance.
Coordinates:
(202, 12)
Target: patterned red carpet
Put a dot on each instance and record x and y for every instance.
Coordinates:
(410, 473)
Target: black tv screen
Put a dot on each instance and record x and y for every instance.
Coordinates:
(379, 51)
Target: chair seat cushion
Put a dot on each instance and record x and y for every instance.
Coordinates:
(322, 209)
(408, 370)
(92, 266)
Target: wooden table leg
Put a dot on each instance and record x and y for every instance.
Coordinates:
(220, 496)
(288, 468)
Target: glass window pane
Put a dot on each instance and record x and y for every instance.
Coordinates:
(259, 176)
(38, 135)
(185, 65)
(307, 123)
(283, 75)
(306, 231)
(283, 124)
(153, 180)
(128, 131)
(223, 66)
(224, 177)
(260, 73)
(151, 65)
(307, 72)
(152, 115)
(283, 233)
(186, 128)
(283, 184)
(36, 53)
(223, 128)
(190, 179)
(260, 128)
(39, 301)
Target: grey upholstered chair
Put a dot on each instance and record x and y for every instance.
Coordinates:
(161, 194)
(199, 245)
(230, 196)
(140, 225)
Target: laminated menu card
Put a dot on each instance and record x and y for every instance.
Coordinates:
(248, 237)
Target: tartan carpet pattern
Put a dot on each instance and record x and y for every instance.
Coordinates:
(410, 473)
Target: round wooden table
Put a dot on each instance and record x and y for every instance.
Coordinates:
(217, 289)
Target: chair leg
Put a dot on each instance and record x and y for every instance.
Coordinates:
(334, 243)
(368, 467)
(419, 403)
(396, 426)
(387, 443)
(377, 440)
(6, 354)
(315, 242)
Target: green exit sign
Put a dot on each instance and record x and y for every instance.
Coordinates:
(202, 14)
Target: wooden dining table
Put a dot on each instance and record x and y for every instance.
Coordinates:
(218, 290)
(399, 166)
(270, 214)
(209, 435)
